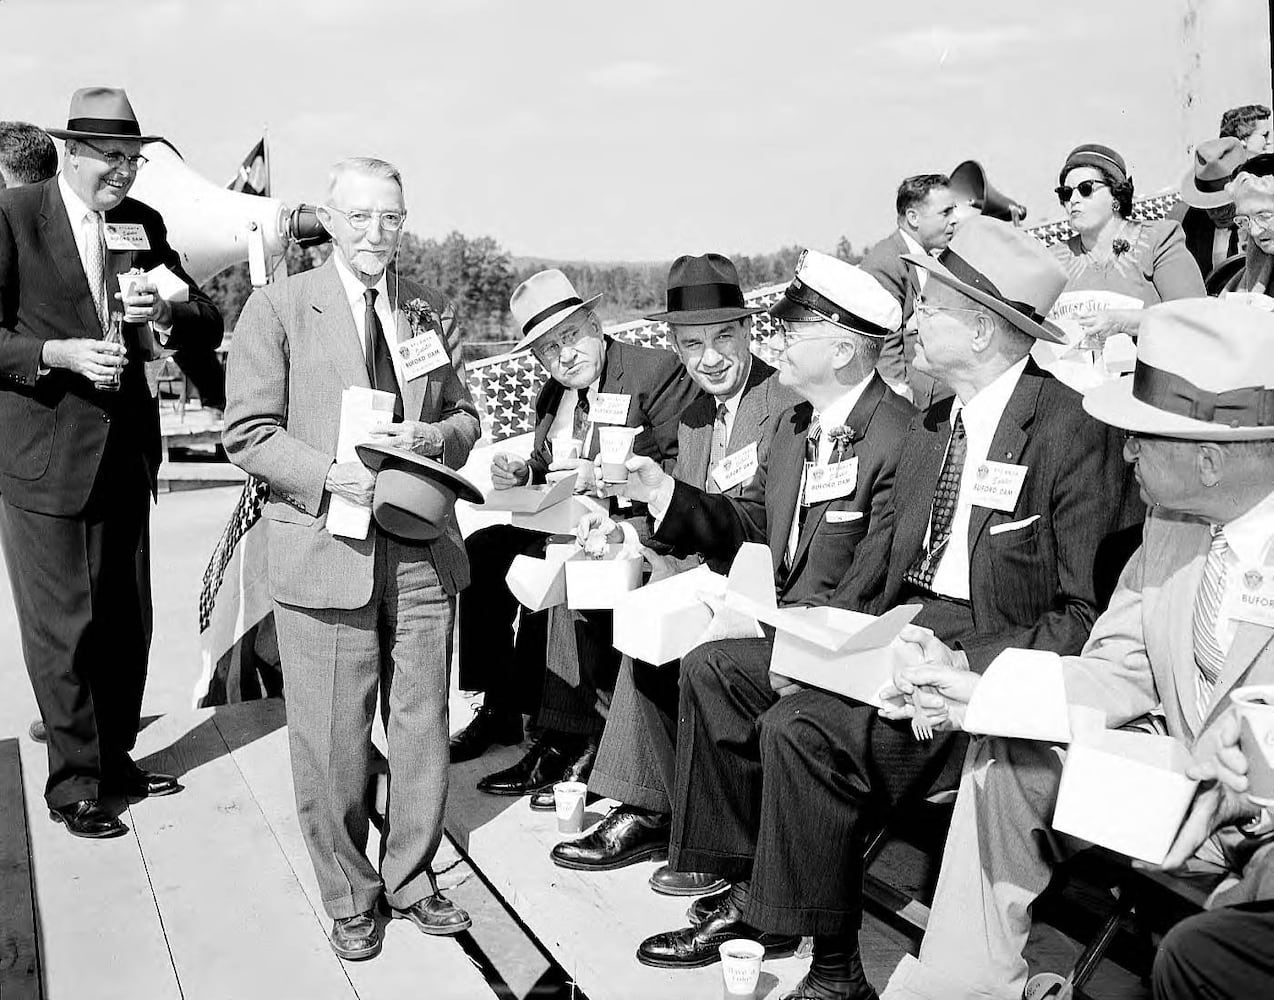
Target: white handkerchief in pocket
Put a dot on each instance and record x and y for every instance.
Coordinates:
(843, 516)
(999, 529)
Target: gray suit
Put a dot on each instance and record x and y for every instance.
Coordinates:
(352, 615)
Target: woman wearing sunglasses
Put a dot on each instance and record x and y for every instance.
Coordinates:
(1253, 192)
(1112, 252)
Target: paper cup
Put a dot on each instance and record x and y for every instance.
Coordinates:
(1255, 705)
(741, 966)
(564, 449)
(128, 279)
(568, 799)
(615, 445)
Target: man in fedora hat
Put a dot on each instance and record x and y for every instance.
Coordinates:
(80, 449)
(778, 786)
(1198, 417)
(710, 328)
(1206, 212)
(594, 380)
(359, 615)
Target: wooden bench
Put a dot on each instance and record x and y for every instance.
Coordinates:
(19, 942)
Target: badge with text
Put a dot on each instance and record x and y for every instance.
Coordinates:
(830, 482)
(1249, 595)
(996, 485)
(609, 408)
(126, 236)
(736, 468)
(422, 354)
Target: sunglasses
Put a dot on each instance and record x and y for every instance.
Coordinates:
(1085, 189)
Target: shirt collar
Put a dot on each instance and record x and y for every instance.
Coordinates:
(912, 243)
(1249, 534)
(837, 413)
(987, 406)
(354, 288)
(76, 209)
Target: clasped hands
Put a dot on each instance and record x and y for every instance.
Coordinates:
(931, 678)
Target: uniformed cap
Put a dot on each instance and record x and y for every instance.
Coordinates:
(827, 288)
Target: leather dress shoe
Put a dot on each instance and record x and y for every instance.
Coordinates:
(435, 915)
(579, 769)
(139, 783)
(670, 883)
(860, 989)
(545, 763)
(87, 818)
(624, 837)
(695, 947)
(356, 938)
(38, 732)
(702, 907)
(486, 728)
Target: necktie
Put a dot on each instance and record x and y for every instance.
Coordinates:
(942, 514)
(798, 522)
(96, 266)
(380, 363)
(1209, 657)
(720, 446)
(580, 424)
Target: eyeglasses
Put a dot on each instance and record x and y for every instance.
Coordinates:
(1085, 189)
(549, 352)
(1261, 220)
(360, 220)
(924, 310)
(114, 158)
(785, 337)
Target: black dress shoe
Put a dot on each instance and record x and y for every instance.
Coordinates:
(694, 947)
(87, 818)
(624, 837)
(670, 883)
(579, 769)
(37, 731)
(548, 759)
(488, 727)
(702, 907)
(356, 938)
(138, 783)
(435, 915)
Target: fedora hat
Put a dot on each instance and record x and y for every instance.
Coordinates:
(101, 113)
(1205, 372)
(414, 495)
(1214, 164)
(826, 288)
(541, 302)
(703, 290)
(1005, 269)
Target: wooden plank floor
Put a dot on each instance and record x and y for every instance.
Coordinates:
(19, 948)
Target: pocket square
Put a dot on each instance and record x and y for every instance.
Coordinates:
(999, 529)
(842, 516)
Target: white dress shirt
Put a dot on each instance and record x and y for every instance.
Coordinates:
(921, 274)
(1249, 537)
(385, 312)
(563, 425)
(981, 416)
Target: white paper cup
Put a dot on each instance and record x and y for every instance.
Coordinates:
(1255, 705)
(741, 966)
(128, 279)
(568, 800)
(564, 449)
(615, 446)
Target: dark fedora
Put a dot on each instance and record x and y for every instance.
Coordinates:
(101, 113)
(414, 495)
(703, 290)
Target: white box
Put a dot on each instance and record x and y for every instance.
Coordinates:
(531, 499)
(661, 622)
(1126, 791)
(1022, 695)
(599, 584)
(539, 583)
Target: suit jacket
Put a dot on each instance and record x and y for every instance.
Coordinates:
(296, 350)
(716, 525)
(660, 390)
(55, 425)
(1035, 586)
(1200, 234)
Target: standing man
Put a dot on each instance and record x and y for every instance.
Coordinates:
(926, 208)
(355, 615)
(80, 448)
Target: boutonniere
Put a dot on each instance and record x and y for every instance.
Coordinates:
(1120, 246)
(419, 314)
(841, 438)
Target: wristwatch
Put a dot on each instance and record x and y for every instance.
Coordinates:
(1260, 825)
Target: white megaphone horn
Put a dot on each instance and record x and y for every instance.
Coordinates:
(212, 228)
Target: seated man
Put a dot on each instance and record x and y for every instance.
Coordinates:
(587, 371)
(1206, 210)
(1199, 418)
(836, 317)
(778, 787)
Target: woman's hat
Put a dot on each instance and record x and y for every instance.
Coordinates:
(1215, 162)
(541, 302)
(1092, 154)
(703, 290)
(1205, 372)
(414, 495)
(101, 113)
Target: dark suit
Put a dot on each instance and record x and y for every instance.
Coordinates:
(76, 467)
(786, 789)
(1201, 240)
(512, 673)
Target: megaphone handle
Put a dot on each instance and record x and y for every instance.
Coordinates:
(256, 256)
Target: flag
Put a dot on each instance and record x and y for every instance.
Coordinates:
(254, 172)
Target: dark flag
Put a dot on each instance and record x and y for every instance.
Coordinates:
(254, 173)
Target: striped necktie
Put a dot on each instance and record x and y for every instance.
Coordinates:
(720, 445)
(1209, 656)
(945, 498)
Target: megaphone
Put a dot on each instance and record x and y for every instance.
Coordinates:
(212, 228)
(969, 184)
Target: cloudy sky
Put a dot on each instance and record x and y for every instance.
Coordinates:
(641, 130)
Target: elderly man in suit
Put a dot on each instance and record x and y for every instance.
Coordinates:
(594, 380)
(778, 786)
(357, 614)
(80, 448)
(926, 209)
(711, 331)
(1178, 638)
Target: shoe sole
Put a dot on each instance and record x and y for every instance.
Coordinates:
(360, 955)
(663, 890)
(779, 951)
(106, 835)
(507, 793)
(650, 854)
(448, 931)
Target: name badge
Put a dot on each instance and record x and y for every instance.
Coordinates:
(609, 408)
(126, 236)
(1250, 595)
(830, 482)
(422, 354)
(736, 468)
(996, 485)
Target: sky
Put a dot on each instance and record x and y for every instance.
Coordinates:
(584, 129)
